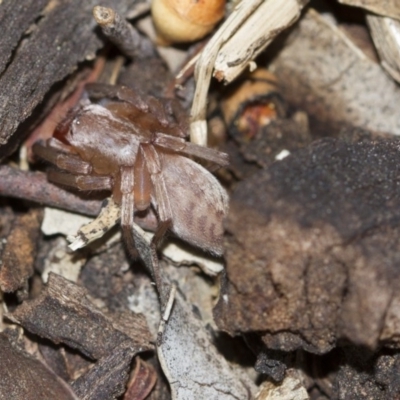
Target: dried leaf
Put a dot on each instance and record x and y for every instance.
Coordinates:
(385, 33)
(62, 222)
(62, 262)
(324, 73)
(388, 8)
(142, 381)
(191, 363)
(179, 253)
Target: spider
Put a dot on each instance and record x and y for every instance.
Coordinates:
(135, 147)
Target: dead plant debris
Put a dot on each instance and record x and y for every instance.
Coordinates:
(304, 302)
(308, 256)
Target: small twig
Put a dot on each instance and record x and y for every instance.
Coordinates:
(108, 218)
(34, 186)
(122, 33)
(166, 314)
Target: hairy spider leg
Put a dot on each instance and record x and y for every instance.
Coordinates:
(156, 108)
(81, 182)
(143, 186)
(98, 91)
(66, 160)
(75, 172)
(178, 126)
(182, 146)
(127, 185)
(154, 167)
(174, 109)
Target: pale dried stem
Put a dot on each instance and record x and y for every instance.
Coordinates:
(244, 35)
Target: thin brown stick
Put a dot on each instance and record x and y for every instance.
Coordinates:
(34, 186)
(122, 33)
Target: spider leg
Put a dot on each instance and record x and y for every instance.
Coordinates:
(82, 182)
(143, 185)
(67, 160)
(156, 108)
(154, 167)
(181, 146)
(98, 91)
(175, 110)
(127, 180)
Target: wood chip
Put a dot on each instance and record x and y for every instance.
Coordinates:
(62, 313)
(20, 250)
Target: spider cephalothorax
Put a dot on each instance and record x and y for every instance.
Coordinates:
(136, 148)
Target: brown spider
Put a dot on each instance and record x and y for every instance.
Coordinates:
(136, 148)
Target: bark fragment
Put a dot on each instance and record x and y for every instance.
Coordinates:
(106, 380)
(63, 314)
(311, 257)
(364, 376)
(63, 37)
(20, 250)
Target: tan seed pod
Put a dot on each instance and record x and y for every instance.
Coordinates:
(180, 21)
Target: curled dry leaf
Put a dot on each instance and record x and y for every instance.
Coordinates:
(180, 254)
(142, 381)
(251, 103)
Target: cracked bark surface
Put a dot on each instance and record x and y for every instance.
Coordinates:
(311, 256)
(44, 42)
